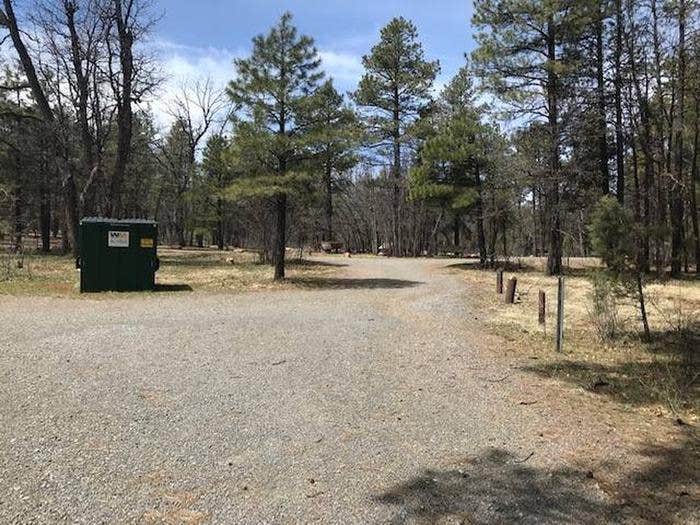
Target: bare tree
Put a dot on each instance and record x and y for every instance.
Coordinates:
(196, 109)
(8, 19)
(132, 74)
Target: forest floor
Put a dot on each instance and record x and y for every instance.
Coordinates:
(193, 269)
(365, 390)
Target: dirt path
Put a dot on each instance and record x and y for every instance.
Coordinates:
(371, 398)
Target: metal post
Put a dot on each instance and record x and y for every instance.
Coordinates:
(560, 314)
(499, 281)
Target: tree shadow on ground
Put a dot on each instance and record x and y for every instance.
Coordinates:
(313, 262)
(498, 487)
(172, 288)
(667, 488)
(207, 260)
(518, 267)
(321, 283)
(669, 375)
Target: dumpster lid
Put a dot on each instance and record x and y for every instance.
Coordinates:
(106, 220)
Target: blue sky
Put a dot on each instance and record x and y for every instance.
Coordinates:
(201, 38)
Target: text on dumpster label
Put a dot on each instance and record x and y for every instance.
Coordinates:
(118, 239)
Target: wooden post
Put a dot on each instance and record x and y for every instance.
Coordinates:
(499, 281)
(510, 291)
(560, 314)
(542, 308)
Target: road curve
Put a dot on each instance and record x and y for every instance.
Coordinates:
(369, 398)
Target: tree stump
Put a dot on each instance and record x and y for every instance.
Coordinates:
(510, 290)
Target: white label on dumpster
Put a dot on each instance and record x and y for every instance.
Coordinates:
(118, 239)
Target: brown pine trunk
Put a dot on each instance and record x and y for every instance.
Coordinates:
(328, 204)
(479, 208)
(693, 182)
(619, 132)
(677, 204)
(220, 223)
(552, 196)
(45, 220)
(600, 92)
(456, 228)
(397, 249)
(280, 241)
(645, 138)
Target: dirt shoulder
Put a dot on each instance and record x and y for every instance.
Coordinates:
(642, 398)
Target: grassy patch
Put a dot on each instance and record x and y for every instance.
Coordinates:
(181, 270)
(660, 375)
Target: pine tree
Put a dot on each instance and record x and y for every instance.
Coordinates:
(394, 90)
(333, 138)
(453, 159)
(271, 88)
(522, 58)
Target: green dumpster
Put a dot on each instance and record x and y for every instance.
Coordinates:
(117, 255)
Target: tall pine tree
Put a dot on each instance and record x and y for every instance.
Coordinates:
(394, 90)
(271, 88)
(522, 59)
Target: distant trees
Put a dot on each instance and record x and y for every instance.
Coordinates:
(523, 58)
(394, 90)
(562, 103)
(333, 140)
(84, 73)
(610, 80)
(455, 156)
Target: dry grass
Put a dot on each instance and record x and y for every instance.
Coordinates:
(181, 270)
(659, 375)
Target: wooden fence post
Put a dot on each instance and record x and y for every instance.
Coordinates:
(543, 308)
(499, 281)
(560, 314)
(510, 291)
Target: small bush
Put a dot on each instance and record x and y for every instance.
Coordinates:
(604, 310)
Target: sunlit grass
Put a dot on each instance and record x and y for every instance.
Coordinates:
(198, 270)
(660, 374)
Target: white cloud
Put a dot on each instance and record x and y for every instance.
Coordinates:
(182, 63)
(345, 68)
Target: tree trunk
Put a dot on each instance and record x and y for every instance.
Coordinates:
(677, 203)
(45, 220)
(90, 168)
(600, 107)
(220, 223)
(328, 184)
(693, 181)
(552, 198)
(479, 208)
(645, 138)
(619, 131)
(397, 248)
(456, 229)
(17, 222)
(280, 242)
(124, 109)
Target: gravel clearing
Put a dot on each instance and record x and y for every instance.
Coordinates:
(372, 401)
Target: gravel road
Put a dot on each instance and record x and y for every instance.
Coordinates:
(373, 400)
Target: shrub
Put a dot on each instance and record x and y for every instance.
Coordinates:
(604, 311)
